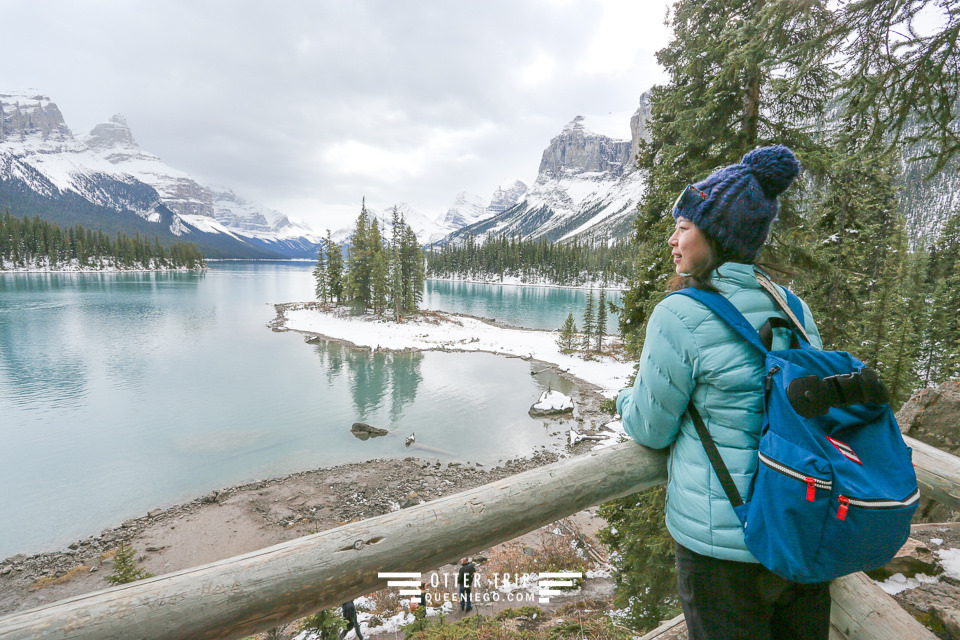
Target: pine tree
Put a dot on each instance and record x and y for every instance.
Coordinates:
(412, 269)
(589, 324)
(568, 334)
(125, 567)
(601, 320)
(396, 268)
(942, 333)
(325, 624)
(645, 579)
(859, 248)
(320, 276)
(334, 277)
(902, 355)
(359, 263)
(742, 73)
(379, 282)
(901, 80)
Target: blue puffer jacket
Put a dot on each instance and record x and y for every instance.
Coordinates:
(690, 352)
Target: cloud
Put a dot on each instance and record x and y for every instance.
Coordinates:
(312, 104)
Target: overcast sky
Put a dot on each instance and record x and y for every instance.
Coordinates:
(308, 106)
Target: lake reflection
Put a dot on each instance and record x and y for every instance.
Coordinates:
(120, 393)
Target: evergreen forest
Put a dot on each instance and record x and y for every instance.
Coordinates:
(859, 90)
(381, 275)
(35, 243)
(572, 263)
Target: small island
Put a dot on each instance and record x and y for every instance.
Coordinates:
(38, 245)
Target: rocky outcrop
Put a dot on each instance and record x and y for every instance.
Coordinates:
(504, 198)
(113, 135)
(552, 404)
(639, 125)
(923, 579)
(932, 416)
(363, 431)
(31, 115)
(577, 150)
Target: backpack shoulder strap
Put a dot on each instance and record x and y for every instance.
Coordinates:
(727, 312)
(716, 460)
(732, 316)
(790, 306)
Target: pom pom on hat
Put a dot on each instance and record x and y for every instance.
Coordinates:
(737, 204)
(774, 168)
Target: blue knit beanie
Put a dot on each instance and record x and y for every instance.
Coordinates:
(737, 204)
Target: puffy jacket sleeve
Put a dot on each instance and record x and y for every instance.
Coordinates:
(652, 409)
(813, 331)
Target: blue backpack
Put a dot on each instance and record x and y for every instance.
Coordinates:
(835, 488)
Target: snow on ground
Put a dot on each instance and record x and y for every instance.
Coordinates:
(949, 560)
(899, 582)
(450, 332)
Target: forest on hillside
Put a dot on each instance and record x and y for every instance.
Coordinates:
(858, 89)
(34, 243)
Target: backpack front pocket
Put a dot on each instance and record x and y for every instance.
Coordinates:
(845, 549)
(787, 507)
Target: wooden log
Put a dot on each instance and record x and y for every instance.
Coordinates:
(263, 589)
(938, 473)
(863, 611)
(672, 629)
(254, 592)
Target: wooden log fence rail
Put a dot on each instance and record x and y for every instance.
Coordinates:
(257, 591)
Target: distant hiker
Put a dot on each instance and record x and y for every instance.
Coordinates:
(691, 357)
(350, 615)
(465, 583)
(423, 594)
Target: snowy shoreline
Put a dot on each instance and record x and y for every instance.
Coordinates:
(437, 331)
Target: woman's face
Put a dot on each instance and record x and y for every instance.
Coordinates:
(690, 246)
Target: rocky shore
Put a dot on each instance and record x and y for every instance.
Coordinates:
(240, 519)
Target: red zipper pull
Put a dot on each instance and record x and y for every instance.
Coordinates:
(844, 505)
(811, 488)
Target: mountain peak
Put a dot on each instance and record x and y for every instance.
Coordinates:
(29, 114)
(112, 134)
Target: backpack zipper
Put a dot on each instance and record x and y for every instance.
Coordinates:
(846, 502)
(874, 503)
(768, 381)
(813, 483)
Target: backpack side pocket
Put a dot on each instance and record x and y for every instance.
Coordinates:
(788, 507)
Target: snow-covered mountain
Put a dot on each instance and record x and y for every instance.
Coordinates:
(586, 186)
(104, 180)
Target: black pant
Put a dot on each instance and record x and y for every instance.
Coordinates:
(351, 624)
(727, 600)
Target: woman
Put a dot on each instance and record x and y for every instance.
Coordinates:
(690, 354)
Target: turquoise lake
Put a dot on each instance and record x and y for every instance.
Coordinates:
(121, 393)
